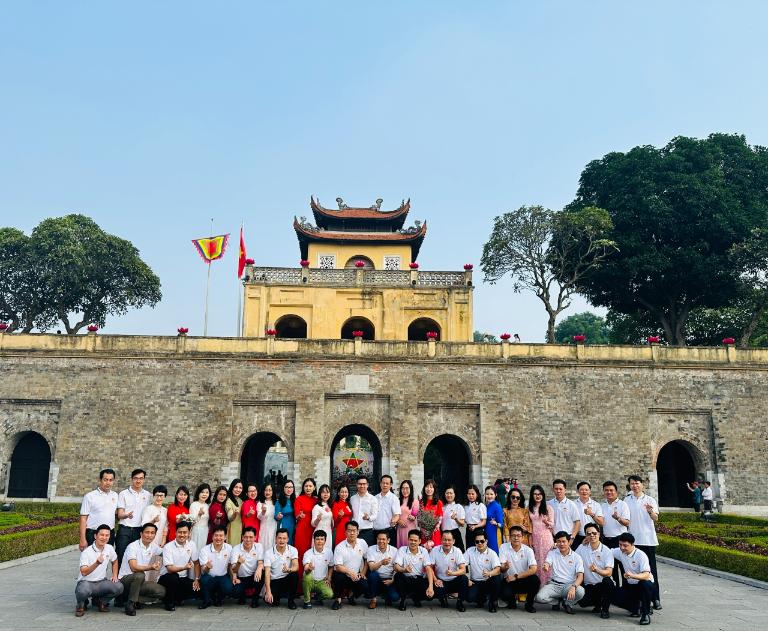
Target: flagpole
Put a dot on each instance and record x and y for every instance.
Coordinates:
(240, 292)
(207, 289)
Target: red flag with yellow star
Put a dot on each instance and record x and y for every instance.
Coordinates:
(241, 260)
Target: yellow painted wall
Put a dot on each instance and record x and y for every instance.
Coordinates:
(344, 252)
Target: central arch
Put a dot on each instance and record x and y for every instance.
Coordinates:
(30, 467)
(447, 462)
(358, 323)
(675, 468)
(264, 459)
(418, 329)
(355, 451)
(366, 262)
(291, 326)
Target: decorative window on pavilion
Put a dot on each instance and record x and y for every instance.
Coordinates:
(392, 262)
(327, 261)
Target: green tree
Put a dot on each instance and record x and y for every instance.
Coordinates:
(547, 252)
(587, 323)
(677, 213)
(487, 338)
(75, 272)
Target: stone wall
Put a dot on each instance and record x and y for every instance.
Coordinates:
(185, 416)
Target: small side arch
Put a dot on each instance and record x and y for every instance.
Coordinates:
(418, 329)
(358, 323)
(291, 326)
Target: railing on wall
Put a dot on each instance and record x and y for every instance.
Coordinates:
(355, 277)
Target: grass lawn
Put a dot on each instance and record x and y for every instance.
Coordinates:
(34, 527)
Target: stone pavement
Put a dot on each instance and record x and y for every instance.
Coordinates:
(40, 595)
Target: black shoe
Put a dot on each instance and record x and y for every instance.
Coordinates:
(460, 606)
(443, 602)
(402, 605)
(308, 605)
(529, 607)
(255, 602)
(417, 604)
(218, 601)
(137, 605)
(568, 609)
(130, 610)
(646, 619)
(204, 605)
(657, 605)
(555, 607)
(512, 604)
(291, 604)
(241, 600)
(605, 615)
(170, 607)
(596, 609)
(336, 605)
(492, 607)
(276, 602)
(351, 601)
(634, 614)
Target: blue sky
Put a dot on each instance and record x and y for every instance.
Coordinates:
(154, 117)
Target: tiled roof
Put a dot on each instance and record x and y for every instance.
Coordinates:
(359, 213)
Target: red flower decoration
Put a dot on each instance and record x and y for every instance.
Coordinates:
(272, 332)
(249, 261)
(93, 328)
(505, 336)
(413, 265)
(431, 335)
(653, 339)
(579, 338)
(728, 341)
(3, 326)
(183, 330)
(304, 263)
(359, 264)
(357, 333)
(468, 266)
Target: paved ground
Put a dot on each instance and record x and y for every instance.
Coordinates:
(40, 595)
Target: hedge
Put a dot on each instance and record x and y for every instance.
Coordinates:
(22, 544)
(733, 561)
(718, 518)
(46, 509)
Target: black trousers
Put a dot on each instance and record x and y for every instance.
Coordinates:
(177, 588)
(634, 597)
(341, 581)
(248, 583)
(528, 586)
(618, 568)
(413, 586)
(650, 551)
(577, 542)
(457, 540)
(369, 536)
(457, 585)
(489, 589)
(600, 594)
(126, 535)
(285, 586)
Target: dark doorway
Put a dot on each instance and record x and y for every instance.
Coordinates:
(30, 465)
(418, 329)
(358, 324)
(264, 459)
(446, 461)
(355, 451)
(291, 326)
(675, 468)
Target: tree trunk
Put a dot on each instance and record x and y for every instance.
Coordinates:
(749, 331)
(551, 328)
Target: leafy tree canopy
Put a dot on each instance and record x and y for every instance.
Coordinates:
(587, 323)
(488, 338)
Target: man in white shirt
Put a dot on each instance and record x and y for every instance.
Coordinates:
(450, 568)
(215, 558)
(97, 577)
(518, 564)
(381, 570)
(98, 508)
(636, 594)
(564, 511)
(413, 567)
(281, 571)
(365, 509)
(318, 568)
(349, 566)
(643, 515)
(131, 503)
(180, 574)
(564, 588)
(616, 513)
(598, 567)
(484, 574)
(589, 511)
(388, 513)
(247, 567)
(137, 560)
(707, 496)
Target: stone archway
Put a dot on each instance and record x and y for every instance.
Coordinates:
(447, 461)
(352, 262)
(355, 451)
(265, 458)
(418, 329)
(358, 323)
(292, 327)
(30, 467)
(676, 466)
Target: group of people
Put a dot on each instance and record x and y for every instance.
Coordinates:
(251, 544)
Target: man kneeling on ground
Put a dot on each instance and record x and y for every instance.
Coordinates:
(93, 580)
(137, 560)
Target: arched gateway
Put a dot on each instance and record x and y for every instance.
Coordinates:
(30, 466)
(355, 451)
(447, 462)
(264, 459)
(675, 467)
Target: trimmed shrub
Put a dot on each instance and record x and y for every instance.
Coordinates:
(733, 561)
(22, 544)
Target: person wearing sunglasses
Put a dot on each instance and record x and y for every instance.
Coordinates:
(484, 574)
(515, 514)
(598, 567)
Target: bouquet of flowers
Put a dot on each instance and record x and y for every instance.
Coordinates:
(186, 519)
(427, 523)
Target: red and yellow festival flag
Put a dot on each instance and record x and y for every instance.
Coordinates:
(211, 248)
(241, 258)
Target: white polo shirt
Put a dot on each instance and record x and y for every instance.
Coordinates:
(565, 567)
(219, 559)
(321, 561)
(251, 558)
(640, 523)
(637, 563)
(136, 551)
(612, 527)
(449, 523)
(565, 514)
(481, 561)
(418, 560)
(443, 561)
(90, 555)
(365, 505)
(519, 560)
(375, 554)
(129, 500)
(350, 556)
(707, 493)
(279, 563)
(174, 554)
(602, 558)
(389, 506)
(475, 513)
(583, 517)
(100, 508)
